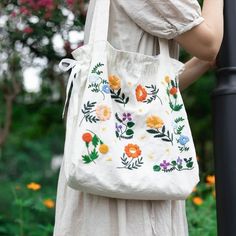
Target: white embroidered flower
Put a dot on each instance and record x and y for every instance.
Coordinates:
(93, 78)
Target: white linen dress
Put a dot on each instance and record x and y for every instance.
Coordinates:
(134, 25)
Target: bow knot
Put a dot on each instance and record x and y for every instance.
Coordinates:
(65, 65)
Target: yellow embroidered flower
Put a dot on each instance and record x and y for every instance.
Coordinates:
(114, 82)
(197, 201)
(154, 122)
(167, 79)
(103, 148)
(132, 150)
(33, 186)
(49, 203)
(210, 179)
(103, 112)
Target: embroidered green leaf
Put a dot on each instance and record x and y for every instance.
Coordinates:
(96, 68)
(86, 159)
(159, 135)
(152, 131)
(95, 140)
(117, 117)
(175, 107)
(130, 124)
(189, 164)
(119, 99)
(94, 154)
(167, 140)
(117, 134)
(163, 129)
(179, 119)
(127, 164)
(179, 129)
(174, 163)
(156, 168)
(129, 132)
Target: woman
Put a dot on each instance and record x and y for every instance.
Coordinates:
(136, 26)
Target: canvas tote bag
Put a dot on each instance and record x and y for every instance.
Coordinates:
(127, 131)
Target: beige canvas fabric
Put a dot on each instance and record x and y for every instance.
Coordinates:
(134, 26)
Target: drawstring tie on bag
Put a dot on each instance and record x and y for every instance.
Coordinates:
(65, 65)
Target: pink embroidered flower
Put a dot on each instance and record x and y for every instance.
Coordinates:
(103, 112)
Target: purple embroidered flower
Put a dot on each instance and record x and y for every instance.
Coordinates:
(165, 164)
(106, 88)
(118, 127)
(183, 139)
(127, 116)
(179, 161)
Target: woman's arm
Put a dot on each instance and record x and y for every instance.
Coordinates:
(194, 68)
(203, 41)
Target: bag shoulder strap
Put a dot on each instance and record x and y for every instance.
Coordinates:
(100, 24)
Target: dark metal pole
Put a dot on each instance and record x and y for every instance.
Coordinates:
(224, 124)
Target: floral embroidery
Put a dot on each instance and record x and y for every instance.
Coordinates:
(143, 96)
(183, 139)
(115, 89)
(94, 140)
(103, 112)
(156, 123)
(172, 92)
(97, 84)
(178, 165)
(141, 93)
(103, 148)
(124, 127)
(114, 82)
(131, 151)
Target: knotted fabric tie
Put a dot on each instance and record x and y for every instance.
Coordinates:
(65, 65)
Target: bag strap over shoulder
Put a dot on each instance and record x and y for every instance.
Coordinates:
(100, 25)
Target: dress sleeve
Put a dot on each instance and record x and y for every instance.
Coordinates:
(164, 18)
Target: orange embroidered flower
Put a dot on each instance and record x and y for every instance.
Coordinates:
(167, 79)
(173, 90)
(87, 137)
(33, 186)
(132, 150)
(210, 179)
(197, 201)
(103, 148)
(103, 112)
(141, 93)
(49, 203)
(154, 122)
(114, 82)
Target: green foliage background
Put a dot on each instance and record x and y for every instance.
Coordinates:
(37, 130)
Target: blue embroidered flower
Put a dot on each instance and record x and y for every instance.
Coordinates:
(183, 139)
(106, 88)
